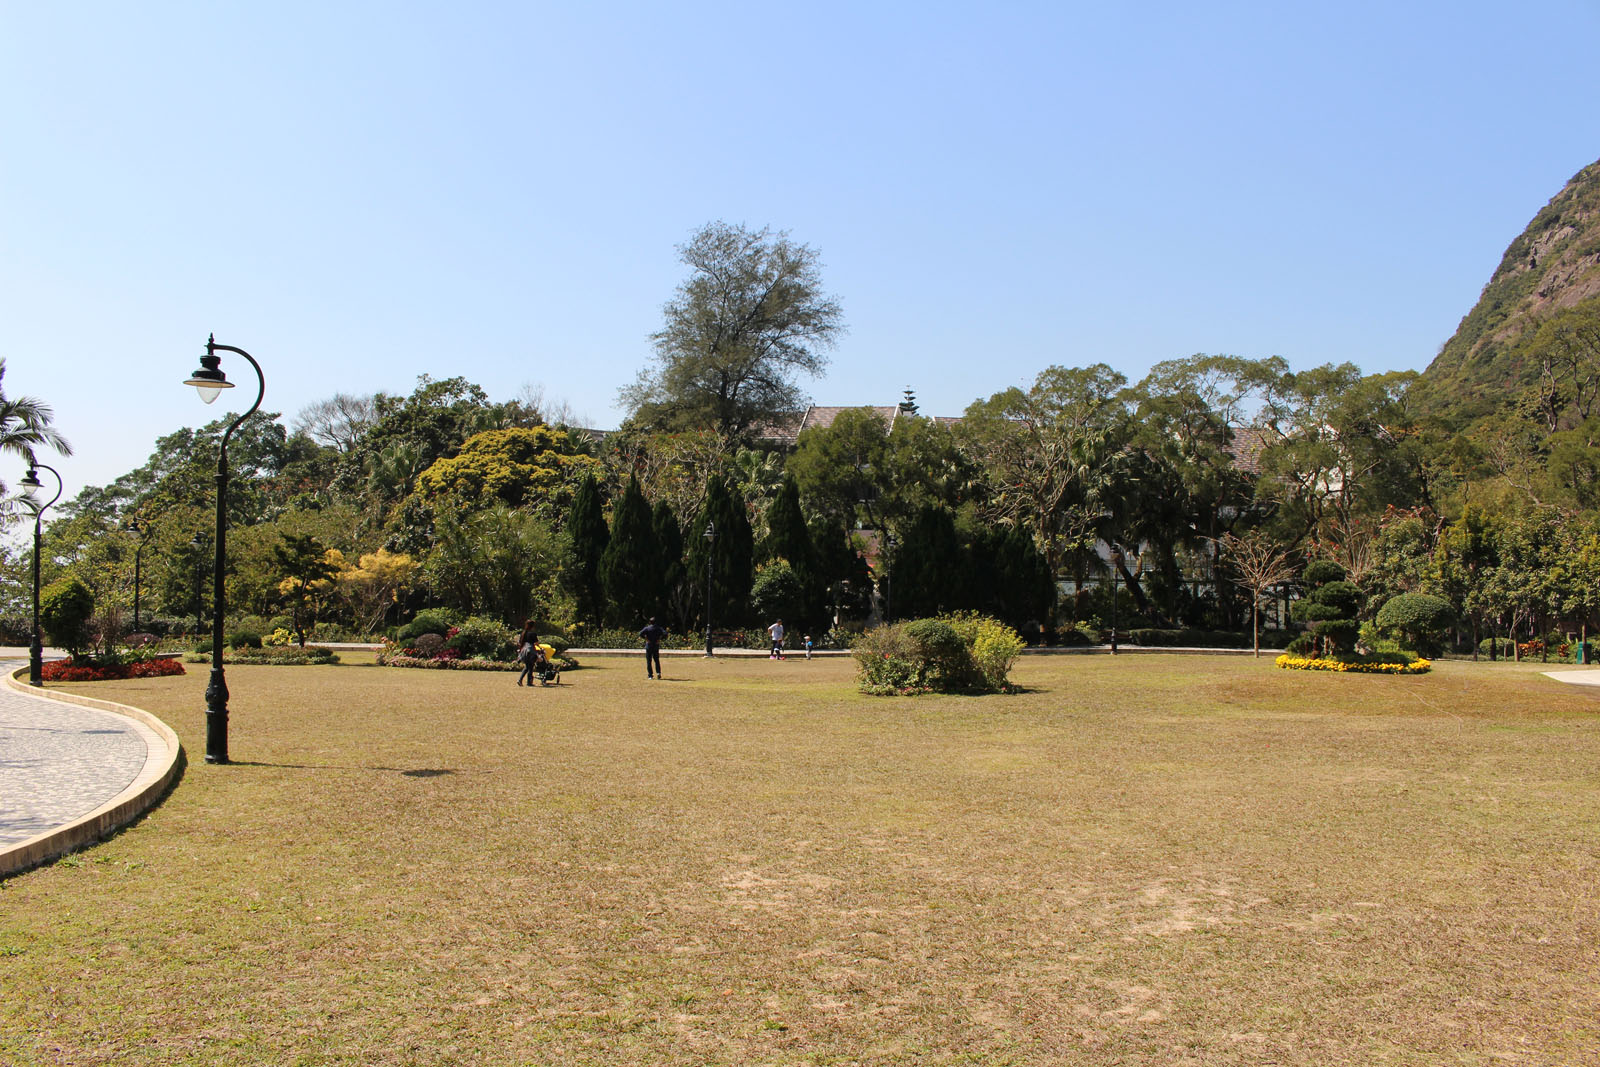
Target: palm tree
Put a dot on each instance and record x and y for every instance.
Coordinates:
(25, 425)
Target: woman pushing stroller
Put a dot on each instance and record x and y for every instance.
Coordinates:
(536, 658)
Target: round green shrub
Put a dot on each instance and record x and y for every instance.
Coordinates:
(1503, 647)
(946, 662)
(64, 612)
(1418, 620)
(482, 638)
(244, 639)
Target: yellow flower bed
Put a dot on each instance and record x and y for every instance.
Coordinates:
(1310, 663)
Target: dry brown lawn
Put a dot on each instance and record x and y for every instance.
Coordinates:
(1145, 860)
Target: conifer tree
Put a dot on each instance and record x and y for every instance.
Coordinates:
(671, 579)
(731, 557)
(586, 527)
(789, 539)
(629, 565)
(928, 567)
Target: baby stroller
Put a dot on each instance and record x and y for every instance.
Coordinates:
(543, 659)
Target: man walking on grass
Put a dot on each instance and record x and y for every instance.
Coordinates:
(652, 635)
(776, 630)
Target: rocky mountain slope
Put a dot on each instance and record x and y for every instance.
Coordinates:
(1554, 264)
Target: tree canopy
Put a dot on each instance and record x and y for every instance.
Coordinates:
(750, 317)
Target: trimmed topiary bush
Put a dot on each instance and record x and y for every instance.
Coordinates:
(1418, 621)
(1330, 608)
(244, 639)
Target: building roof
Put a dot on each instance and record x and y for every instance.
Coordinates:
(784, 432)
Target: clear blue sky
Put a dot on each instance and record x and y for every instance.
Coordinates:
(359, 193)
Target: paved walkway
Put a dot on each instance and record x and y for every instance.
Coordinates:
(1591, 676)
(70, 774)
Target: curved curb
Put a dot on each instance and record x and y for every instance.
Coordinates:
(163, 766)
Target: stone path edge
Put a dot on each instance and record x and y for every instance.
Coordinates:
(164, 765)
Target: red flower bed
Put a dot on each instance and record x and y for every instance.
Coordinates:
(64, 670)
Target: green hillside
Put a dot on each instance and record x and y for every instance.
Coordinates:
(1553, 264)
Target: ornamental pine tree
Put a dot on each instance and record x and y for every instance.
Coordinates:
(629, 566)
(586, 527)
(731, 556)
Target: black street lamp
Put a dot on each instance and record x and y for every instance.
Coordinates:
(1116, 567)
(144, 530)
(210, 381)
(888, 581)
(199, 543)
(711, 544)
(30, 482)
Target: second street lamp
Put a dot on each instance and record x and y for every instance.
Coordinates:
(888, 580)
(210, 381)
(711, 544)
(30, 482)
(143, 529)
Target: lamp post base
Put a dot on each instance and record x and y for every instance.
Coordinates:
(217, 714)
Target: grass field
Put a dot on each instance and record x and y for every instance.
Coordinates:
(1141, 860)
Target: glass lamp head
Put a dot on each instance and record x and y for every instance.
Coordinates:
(209, 380)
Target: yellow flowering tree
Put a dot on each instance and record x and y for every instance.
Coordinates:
(376, 581)
(528, 468)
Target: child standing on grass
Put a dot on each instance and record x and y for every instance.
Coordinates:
(808, 646)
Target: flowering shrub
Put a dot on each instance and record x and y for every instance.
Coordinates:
(954, 654)
(994, 645)
(1359, 665)
(65, 670)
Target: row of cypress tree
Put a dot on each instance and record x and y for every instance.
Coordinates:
(644, 563)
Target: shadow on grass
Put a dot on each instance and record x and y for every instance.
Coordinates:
(419, 772)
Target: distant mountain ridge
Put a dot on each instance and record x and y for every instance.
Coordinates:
(1553, 264)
